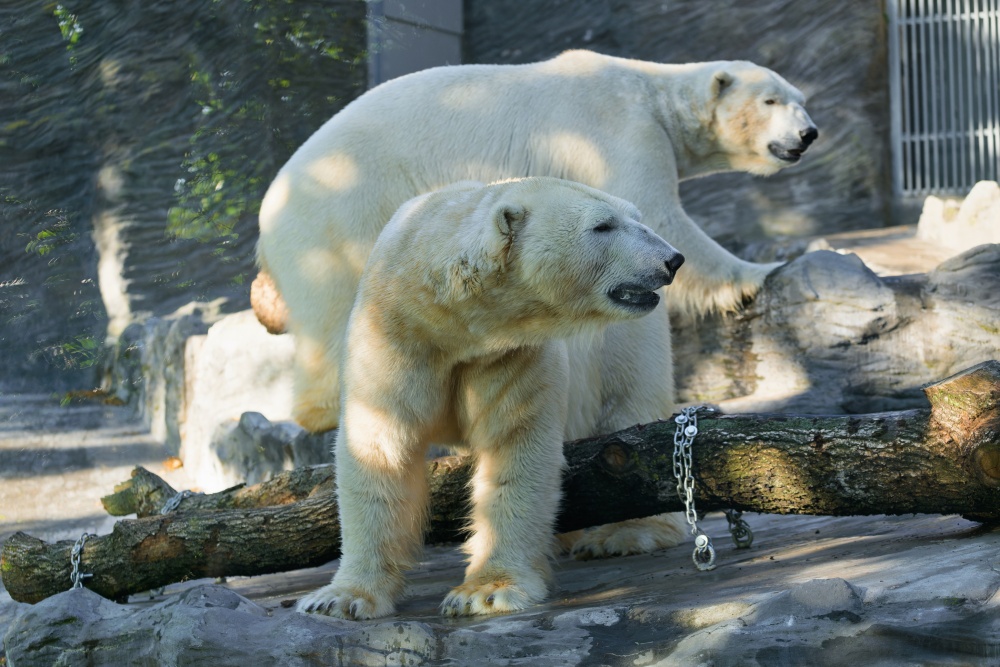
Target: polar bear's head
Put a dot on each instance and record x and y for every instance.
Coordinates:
(577, 253)
(759, 120)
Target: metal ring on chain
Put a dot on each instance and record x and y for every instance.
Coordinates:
(704, 553)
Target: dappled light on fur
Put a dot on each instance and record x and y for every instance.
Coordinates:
(278, 195)
(574, 156)
(338, 172)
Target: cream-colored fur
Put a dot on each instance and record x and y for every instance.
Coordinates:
(457, 333)
(631, 128)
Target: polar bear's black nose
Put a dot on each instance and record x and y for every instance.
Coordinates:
(675, 262)
(808, 136)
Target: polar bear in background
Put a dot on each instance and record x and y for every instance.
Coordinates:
(630, 128)
(455, 336)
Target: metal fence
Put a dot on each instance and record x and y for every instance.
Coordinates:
(944, 58)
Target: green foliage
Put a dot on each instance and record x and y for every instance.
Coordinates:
(70, 28)
(250, 107)
(81, 352)
(59, 233)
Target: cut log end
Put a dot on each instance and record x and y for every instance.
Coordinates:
(268, 305)
(966, 396)
(964, 407)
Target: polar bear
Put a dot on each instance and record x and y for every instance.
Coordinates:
(457, 333)
(627, 127)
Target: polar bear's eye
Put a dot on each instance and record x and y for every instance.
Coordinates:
(770, 102)
(604, 226)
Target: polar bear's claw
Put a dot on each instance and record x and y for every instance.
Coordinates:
(494, 597)
(344, 602)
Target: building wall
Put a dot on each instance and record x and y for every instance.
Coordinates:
(834, 50)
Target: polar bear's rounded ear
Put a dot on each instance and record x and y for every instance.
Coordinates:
(720, 82)
(508, 217)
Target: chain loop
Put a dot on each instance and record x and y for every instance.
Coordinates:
(175, 501)
(739, 528)
(704, 552)
(75, 575)
(687, 429)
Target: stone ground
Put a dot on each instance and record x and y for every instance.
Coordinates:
(812, 590)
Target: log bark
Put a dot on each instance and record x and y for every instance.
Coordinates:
(945, 460)
(146, 494)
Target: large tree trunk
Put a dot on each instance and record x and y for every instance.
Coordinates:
(942, 460)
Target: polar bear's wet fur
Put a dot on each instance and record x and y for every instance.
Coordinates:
(457, 335)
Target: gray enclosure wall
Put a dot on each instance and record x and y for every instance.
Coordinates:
(137, 138)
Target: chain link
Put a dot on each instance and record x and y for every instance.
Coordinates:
(75, 575)
(739, 529)
(175, 501)
(704, 552)
(687, 429)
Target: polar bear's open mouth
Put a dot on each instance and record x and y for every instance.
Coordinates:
(634, 297)
(786, 154)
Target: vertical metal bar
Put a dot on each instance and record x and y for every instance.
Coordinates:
(969, 137)
(989, 89)
(960, 77)
(994, 87)
(986, 86)
(936, 93)
(920, 99)
(977, 91)
(912, 80)
(928, 94)
(906, 93)
(896, 64)
(948, 92)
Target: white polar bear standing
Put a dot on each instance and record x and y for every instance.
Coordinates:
(456, 333)
(627, 127)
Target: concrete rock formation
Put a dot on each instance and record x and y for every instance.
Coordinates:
(827, 335)
(959, 224)
(812, 590)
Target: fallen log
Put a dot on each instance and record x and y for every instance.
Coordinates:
(146, 494)
(943, 460)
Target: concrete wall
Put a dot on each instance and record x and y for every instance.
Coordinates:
(136, 141)
(407, 36)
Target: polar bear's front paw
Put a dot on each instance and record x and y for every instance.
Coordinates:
(348, 602)
(636, 536)
(499, 595)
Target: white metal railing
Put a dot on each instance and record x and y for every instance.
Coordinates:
(944, 77)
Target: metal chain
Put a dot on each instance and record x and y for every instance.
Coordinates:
(76, 576)
(704, 552)
(687, 429)
(175, 501)
(739, 529)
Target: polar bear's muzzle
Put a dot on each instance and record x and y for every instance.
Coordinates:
(792, 151)
(641, 295)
